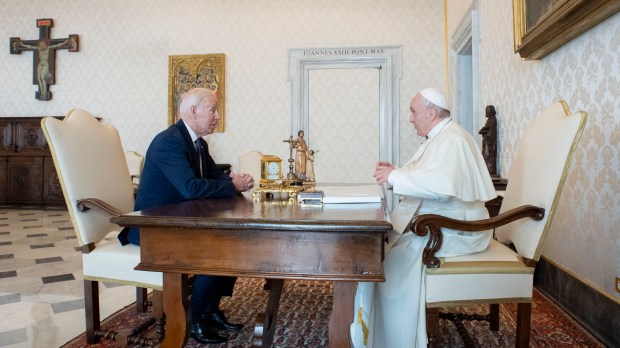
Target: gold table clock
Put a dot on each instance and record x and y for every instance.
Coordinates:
(270, 170)
(272, 185)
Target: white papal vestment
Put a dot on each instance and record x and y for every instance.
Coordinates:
(446, 176)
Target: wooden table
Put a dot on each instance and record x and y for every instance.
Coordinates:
(275, 240)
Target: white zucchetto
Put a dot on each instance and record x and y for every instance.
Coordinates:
(434, 96)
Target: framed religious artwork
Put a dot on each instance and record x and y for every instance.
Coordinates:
(542, 26)
(196, 70)
(44, 53)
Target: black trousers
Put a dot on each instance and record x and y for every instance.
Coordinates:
(208, 290)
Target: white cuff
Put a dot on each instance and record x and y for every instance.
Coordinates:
(391, 177)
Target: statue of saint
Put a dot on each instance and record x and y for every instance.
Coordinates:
(489, 140)
(301, 154)
(310, 166)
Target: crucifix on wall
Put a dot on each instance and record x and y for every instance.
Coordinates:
(44, 54)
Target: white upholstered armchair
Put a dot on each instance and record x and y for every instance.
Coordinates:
(250, 163)
(95, 181)
(504, 273)
(135, 163)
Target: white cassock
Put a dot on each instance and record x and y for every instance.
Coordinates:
(446, 176)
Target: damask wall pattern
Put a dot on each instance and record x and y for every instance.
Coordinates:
(585, 236)
(120, 72)
(355, 150)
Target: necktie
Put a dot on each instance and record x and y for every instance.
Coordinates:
(199, 154)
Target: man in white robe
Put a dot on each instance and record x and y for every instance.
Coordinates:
(446, 176)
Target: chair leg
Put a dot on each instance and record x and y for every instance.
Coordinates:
(432, 326)
(158, 314)
(141, 300)
(494, 317)
(524, 313)
(91, 307)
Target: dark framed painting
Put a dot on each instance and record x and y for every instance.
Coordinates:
(196, 70)
(542, 26)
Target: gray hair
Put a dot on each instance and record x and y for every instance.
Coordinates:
(192, 98)
(443, 113)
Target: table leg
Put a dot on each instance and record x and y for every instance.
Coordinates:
(342, 314)
(176, 305)
(265, 327)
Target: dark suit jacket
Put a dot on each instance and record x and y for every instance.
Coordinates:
(171, 175)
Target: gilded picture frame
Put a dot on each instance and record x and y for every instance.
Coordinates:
(196, 70)
(542, 26)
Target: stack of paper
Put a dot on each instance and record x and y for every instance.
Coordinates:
(370, 193)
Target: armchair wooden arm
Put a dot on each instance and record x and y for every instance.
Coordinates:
(425, 223)
(97, 205)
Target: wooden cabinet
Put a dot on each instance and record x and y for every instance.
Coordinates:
(27, 173)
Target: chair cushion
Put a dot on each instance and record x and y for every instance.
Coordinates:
(495, 275)
(110, 261)
(495, 251)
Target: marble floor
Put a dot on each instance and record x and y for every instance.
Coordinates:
(41, 284)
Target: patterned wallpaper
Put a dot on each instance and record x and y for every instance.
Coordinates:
(347, 101)
(120, 72)
(585, 236)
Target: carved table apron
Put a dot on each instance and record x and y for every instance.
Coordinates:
(274, 240)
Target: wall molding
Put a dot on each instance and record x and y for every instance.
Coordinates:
(386, 58)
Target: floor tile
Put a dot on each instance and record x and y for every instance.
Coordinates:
(41, 282)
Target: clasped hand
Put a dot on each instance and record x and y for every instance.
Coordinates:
(382, 172)
(242, 181)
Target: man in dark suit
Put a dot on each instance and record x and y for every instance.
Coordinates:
(178, 168)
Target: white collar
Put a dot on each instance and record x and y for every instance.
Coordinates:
(438, 127)
(191, 132)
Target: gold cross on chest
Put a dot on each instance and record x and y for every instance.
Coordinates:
(44, 54)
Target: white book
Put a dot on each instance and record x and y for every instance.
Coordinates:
(348, 193)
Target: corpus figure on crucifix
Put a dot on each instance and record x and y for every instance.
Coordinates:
(43, 74)
(44, 51)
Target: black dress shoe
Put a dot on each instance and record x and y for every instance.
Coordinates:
(205, 334)
(218, 321)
